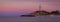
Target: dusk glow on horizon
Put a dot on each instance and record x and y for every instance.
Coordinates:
(13, 8)
(18, 7)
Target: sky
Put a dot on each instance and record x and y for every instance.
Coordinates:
(19, 7)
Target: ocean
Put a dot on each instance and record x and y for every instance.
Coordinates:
(30, 19)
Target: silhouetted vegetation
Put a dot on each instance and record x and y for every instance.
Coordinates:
(51, 13)
(55, 12)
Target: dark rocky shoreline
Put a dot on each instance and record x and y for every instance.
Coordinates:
(41, 13)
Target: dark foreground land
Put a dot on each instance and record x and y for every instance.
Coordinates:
(30, 19)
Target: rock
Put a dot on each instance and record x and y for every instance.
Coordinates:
(27, 16)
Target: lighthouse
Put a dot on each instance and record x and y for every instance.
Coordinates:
(37, 13)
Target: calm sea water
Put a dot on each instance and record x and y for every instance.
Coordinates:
(30, 19)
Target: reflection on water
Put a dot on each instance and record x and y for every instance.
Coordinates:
(30, 19)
